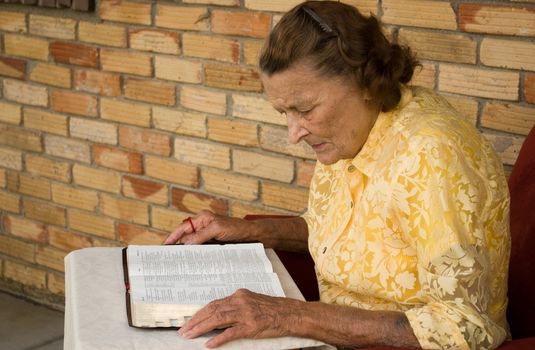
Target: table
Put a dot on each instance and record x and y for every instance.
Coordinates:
(95, 309)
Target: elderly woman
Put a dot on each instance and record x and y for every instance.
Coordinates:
(407, 220)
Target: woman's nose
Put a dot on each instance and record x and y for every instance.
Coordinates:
(295, 130)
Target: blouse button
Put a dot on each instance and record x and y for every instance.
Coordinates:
(351, 168)
(351, 204)
(324, 250)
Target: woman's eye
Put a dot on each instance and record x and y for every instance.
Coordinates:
(304, 112)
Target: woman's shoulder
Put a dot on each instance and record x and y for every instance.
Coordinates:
(429, 117)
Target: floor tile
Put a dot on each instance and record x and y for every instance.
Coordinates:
(55, 345)
(25, 325)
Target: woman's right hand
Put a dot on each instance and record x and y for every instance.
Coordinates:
(208, 226)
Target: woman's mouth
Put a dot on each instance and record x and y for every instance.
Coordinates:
(318, 147)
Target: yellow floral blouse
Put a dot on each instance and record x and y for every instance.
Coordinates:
(417, 222)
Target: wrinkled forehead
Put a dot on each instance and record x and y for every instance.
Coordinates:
(288, 93)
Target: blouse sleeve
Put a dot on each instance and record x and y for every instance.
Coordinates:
(443, 204)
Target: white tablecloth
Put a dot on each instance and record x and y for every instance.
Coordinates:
(95, 309)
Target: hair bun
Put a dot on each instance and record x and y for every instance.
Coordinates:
(387, 67)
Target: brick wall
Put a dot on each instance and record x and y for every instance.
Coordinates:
(116, 125)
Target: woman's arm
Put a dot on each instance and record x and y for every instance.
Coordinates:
(250, 315)
(288, 233)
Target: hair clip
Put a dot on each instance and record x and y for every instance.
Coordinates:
(324, 26)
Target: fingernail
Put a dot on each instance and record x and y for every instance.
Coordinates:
(187, 335)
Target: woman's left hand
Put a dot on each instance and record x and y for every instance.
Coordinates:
(244, 314)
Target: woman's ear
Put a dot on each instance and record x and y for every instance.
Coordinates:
(367, 97)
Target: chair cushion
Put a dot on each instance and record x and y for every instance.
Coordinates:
(521, 308)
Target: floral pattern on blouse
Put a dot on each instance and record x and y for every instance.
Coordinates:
(417, 222)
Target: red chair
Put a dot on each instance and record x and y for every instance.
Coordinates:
(521, 307)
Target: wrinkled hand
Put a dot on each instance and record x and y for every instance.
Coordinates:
(244, 314)
(207, 226)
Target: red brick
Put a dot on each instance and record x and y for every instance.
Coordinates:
(99, 179)
(78, 54)
(204, 100)
(25, 228)
(93, 130)
(193, 202)
(125, 112)
(26, 46)
(53, 27)
(102, 34)
(13, 181)
(214, 2)
(118, 159)
(20, 138)
(294, 199)
(166, 219)
(17, 248)
(56, 283)
(251, 51)
(143, 141)
(239, 210)
(86, 222)
(10, 159)
(25, 93)
(305, 171)
(495, 19)
(43, 211)
(529, 87)
(182, 17)
(419, 13)
(508, 117)
(74, 197)
(177, 69)
(131, 234)
(25, 274)
(146, 190)
(211, 47)
(123, 61)
(125, 11)
(96, 82)
(10, 113)
(74, 103)
(232, 77)
(68, 147)
(251, 24)
(171, 171)
(2, 178)
(202, 153)
(51, 74)
(125, 209)
(154, 40)
(9, 202)
(11, 67)
(50, 257)
(67, 240)
(51, 169)
(151, 91)
(13, 21)
(34, 186)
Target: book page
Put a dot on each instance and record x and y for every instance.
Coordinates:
(198, 274)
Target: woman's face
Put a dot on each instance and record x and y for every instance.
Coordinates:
(329, 114)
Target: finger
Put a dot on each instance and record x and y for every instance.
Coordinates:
(199, 316)
(200, 236)
(229, 334)
(177, 234)
(217, 314)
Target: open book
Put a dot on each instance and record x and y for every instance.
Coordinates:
(166, 285)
